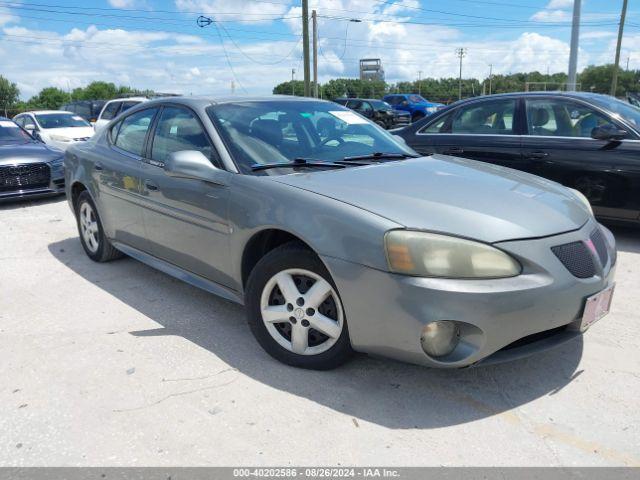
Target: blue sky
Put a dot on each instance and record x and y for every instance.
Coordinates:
(254, 44)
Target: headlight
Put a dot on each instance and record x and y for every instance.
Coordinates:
(59, 138)
(426, 254)
(431, 109)
(583, 199)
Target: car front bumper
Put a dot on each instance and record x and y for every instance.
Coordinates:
(537, 309)
(55, 186)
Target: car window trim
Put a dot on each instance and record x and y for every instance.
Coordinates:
(217, 161)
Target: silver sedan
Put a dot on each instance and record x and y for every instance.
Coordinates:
(338, 237)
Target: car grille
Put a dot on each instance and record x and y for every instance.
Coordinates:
(20, 177)
(601, 247)
(575, 256)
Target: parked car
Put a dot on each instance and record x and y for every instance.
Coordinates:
(87, 109)
(28, 167)
(115, 107)
(633, 98)
(342, 240)
(380, 112)
(55, 127)
(417, 106)
(585, 141)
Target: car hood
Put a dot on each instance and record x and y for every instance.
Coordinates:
(11, 154)
(452, 195)
(71, 132)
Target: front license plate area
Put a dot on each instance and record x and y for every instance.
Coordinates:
(596, 307)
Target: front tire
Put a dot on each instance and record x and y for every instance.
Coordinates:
(294, 310)
(94, 242)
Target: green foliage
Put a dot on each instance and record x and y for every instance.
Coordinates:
(9, 94)
(49, 98)
(290, 88)
(598, 79)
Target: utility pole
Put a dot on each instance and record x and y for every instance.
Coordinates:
(614, 79)
(419, 82)
(293, 85)
(573, 53)
(461, 52)
(490, 76)
(314, 23)
(628, 58)
(305, 47)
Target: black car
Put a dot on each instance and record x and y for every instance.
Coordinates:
(586, 141)
(28, 167)
(87, 109)
(380, 112)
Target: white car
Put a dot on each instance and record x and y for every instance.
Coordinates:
(56, 127)
(115, 107)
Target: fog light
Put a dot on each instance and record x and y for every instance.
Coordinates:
(440, 338)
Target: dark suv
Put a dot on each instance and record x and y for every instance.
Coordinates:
(87, 109)
(380, 112)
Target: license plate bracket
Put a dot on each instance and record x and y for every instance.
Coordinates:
(595, 308)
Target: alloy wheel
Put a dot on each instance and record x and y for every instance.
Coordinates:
(302, 311)
(89, 227)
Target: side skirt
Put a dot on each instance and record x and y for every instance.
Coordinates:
(180, 274)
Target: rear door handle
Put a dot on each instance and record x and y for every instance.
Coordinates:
(150, 185)
(98, 166)
(454, 151)
(537, 155)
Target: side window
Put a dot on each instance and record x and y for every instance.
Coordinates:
(366, 107)
(439, 126)
(110, 111)
(485, 118)
(133, 130)
(354, 104)
(562, 118)
(19, 121)
(178, 129)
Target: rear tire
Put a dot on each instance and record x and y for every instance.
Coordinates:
(294, 310)
(94, 242)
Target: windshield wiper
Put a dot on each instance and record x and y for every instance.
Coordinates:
(295, 163)
(379, 156)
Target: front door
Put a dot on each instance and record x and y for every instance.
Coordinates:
(560, 146)
(186, 220)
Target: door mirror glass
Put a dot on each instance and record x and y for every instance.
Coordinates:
(191, 164)
(608, 132)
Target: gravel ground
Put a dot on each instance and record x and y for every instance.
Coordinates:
(120, 365)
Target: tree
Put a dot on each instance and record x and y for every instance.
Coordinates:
(286, 88)
(598, 79)
(50, 98)
(9, 94)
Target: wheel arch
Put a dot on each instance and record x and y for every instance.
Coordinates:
(76, 189)
(261, 243)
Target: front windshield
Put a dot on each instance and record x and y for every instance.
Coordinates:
(266, 132)
(417, 99)
(627, 112)
(12, 133)
(380, 105)
(61, 120)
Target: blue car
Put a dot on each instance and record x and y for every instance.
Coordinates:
(416, 105)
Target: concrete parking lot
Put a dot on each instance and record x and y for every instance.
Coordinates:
(120, 365)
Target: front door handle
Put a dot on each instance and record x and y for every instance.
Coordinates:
(537, 155)
(150, 185)
(454, 151)
(98, 166)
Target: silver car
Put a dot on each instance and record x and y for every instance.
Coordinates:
(337, 237)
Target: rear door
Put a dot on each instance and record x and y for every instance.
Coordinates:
(185, 219)
(486, 130)
(118, 176)
(559, 145)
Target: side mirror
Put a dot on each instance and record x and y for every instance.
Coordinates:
(608, 132)
(191, 164)
(30, 127)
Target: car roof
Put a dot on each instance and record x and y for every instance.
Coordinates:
(44, 112)
(212, 100)
(5, 119)
(555, 93)
(131, 99)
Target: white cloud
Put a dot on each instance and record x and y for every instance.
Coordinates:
(246, 11)
(551, 16)
(560, 4)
